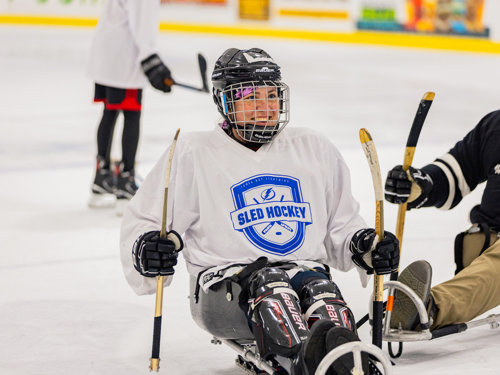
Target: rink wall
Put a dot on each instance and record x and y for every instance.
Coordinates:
(464, 25)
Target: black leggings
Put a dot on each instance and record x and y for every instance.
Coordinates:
(130, 136)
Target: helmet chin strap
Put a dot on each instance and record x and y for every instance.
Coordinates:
(252, 133)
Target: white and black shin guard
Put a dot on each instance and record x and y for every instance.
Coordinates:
(277, 322)
(321, 299)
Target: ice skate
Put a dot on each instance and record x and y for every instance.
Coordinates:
(418, 277)
(125, 188)
(102, 189)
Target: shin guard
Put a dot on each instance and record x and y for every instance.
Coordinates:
(277, 323)
(321, 299)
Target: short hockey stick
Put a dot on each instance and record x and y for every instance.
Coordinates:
(411, 144)
(378, 285)
(155, 355)
(203, 71)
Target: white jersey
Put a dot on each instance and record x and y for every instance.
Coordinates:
(125, 35)
(288, 201)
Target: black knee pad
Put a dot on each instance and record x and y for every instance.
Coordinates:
(321, 299)
(277, 323)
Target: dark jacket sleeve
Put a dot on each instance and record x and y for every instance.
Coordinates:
(470, 162)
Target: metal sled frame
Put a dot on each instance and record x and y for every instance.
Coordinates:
(218, 313)
(400, 335)
(356, 348)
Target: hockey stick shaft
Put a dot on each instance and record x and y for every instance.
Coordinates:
(155, 355)
(378, 281)
(411, 144)
(202, 63)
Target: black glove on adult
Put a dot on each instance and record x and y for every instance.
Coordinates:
(153, 255)
(413, 186)
(157, 73)
(371, 254)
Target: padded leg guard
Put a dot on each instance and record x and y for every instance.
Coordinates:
(277, 322)
(321, 299)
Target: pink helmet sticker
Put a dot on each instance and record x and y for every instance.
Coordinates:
(244, 92)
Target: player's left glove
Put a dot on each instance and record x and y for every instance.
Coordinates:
(371, 254)
(157, 72)
(156, 256)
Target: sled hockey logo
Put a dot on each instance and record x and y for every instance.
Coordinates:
(271, 213)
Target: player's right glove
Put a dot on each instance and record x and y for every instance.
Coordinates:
(157, 73)
(154, 256)
(413, 187)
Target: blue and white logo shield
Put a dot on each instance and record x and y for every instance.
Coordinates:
(270, 211)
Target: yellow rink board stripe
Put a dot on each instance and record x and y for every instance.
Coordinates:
(47, 20)
(463, 44)
(313, 13)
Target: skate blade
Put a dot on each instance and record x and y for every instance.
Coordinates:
(121, 204)
(102, 201)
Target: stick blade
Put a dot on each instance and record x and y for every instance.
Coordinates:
(372, 158)
(418, 122)
(202, 62)
(364, 135)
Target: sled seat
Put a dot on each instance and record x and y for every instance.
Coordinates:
(217, 315)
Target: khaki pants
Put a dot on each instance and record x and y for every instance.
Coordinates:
(474, 290)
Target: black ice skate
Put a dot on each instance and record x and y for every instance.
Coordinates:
(102, 189)
(418, 277)
(125, 187)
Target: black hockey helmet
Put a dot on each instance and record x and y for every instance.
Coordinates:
(237, 73)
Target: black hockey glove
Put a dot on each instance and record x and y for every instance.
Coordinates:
(153, 255)
(157, 73)
(413, 186)
(371, 254)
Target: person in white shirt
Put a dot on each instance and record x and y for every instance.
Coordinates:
(123, 58)
(264, 206)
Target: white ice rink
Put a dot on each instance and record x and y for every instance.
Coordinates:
(65, 307)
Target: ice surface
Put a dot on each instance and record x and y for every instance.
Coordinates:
(65, 307)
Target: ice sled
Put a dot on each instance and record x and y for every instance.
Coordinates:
(217, 312)
(399, 335)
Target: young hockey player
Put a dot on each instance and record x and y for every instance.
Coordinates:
(475, 288)
(123, 58)
(262, 205)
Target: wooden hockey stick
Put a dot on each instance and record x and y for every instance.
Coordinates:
(155, 356)
(411, 144)
(378, 281)
(418, 122)
(203, 71)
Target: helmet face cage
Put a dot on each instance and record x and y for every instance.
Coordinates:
(257, 110)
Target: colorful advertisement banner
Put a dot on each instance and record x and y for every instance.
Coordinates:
(450, 17)
(77, 8)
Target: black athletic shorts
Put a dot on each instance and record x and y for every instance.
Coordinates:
(115, 99)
